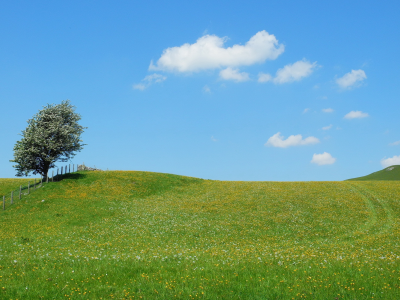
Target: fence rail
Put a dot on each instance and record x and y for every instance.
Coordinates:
(24, 190)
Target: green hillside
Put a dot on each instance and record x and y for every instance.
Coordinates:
(143, 235)
(10, 184)
(389, 173)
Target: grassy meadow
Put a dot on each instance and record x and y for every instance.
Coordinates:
(143, 235)
(11, 184)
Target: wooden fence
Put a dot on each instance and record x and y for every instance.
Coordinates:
(25, 190)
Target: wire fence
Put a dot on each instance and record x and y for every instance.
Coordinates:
(25, 189)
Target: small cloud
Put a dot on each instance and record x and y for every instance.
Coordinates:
(233, 74)
(208, 53)
(277, 140)
(316, 87)
(327, 110)
(323, 159)
(149, 80)
(351, 79)
(262, 77)
(324, 98)
(395, 143)
(391, 161)
(140, 86)
(327, 127)
(356, 115)
(294, 72)
(206, 89)
(214, 139)
(306, 110)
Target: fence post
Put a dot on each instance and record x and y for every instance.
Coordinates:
(20, 188)
(12, 196)
(29, 183)
(47, 177)
(34, 185)
(69, 168)
(52, 176)
(4, 202)
(73, 167)
(61, 170)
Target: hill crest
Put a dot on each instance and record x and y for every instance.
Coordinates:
(389, 173)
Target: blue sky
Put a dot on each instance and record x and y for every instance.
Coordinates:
(258, 90)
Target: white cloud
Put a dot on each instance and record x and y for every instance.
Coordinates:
(262, 77)
(295, 72)
(140, 86)
(209, 53)
(387, 162)
(306, 110)
(351, 79)
(395, 143)
(206, 89)
(149, 80)
(327, 110)
(214, 139)
(327, 127)
(277, 140)
(233, 74)
(323, 159)
(356, 115)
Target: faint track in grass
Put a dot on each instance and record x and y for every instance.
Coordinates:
(382, 218)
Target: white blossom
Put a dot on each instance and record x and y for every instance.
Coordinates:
(52, 135)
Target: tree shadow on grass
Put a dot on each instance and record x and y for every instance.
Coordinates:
(73, 176)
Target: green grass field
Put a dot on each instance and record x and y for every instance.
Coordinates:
(389, 173)
(142, 235)
(9, 184)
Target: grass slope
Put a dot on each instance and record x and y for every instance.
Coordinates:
(129, 235)
(11, 184)
(389, 173)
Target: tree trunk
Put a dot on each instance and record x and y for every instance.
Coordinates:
(45, 171)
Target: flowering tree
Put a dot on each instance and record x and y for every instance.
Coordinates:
(52, 135)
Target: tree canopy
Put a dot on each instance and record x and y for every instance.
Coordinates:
(52, 135)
